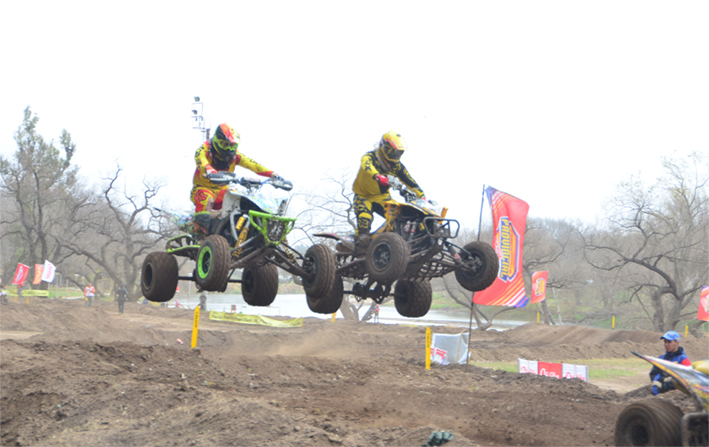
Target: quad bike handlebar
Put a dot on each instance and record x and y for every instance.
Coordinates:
(226, 177)
(405, 192)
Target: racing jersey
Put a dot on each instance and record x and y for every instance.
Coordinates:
(367, 187)
(203, 159)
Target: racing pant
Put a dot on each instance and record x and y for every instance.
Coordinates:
(363, 210)
(206, 199)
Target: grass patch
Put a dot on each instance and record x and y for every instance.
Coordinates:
(504, 366)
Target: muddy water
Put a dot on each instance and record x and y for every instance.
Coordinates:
(295, 306)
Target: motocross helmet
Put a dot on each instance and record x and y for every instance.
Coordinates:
(224, 143)
(391, 148)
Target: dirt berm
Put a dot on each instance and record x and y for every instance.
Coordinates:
(76, 376)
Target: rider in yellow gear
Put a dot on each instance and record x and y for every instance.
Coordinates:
(218, 154)
(371, 187)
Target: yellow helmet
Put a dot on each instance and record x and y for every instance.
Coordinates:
(225, 142)
(391, 147)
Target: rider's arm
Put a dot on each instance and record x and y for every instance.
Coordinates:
(253, 166)
(402, 173)
(201, 159)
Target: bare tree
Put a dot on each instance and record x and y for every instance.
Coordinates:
(657, 238)
(114, 230)
(36, 187)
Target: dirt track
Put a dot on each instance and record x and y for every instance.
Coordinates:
(90, 377)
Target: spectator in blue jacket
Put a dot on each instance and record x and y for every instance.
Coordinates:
(661, 382)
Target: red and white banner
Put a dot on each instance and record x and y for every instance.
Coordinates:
(539, 287)
(703, 312)
(49, 271)
(20, 274)
(509, 217)
(37, 274)
(558, 370)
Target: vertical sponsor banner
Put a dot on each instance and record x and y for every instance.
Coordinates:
(20, 274)
(527, 366)
(550, 369)
(37, 274)
(571, 371)
(539, 287)
(48, 272)
(703, 312)
(509, 217)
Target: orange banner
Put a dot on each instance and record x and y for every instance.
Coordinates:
(38, 268)
(703, 312)
(539, 287)
(509, 217)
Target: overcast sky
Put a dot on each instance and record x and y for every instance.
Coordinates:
(555, 102)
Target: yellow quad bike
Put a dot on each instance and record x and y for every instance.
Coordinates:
(657, 422)
(409, 249)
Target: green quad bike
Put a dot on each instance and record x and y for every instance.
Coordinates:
(406, 252)
(248, 233)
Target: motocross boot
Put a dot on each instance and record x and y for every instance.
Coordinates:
(361, 243)
(201, 224)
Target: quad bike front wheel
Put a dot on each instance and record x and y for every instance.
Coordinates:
(320, 263)
(259, 284)
(158, 279)
(413, 298)
(329, 303)
(387, 257)
(481, 266)
(651, 422)
(213, 258)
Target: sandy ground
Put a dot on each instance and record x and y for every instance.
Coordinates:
(79, 376)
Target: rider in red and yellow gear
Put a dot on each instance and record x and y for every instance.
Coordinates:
(371, 187)
(218, 154)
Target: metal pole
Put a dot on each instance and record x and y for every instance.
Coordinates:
(472, 296)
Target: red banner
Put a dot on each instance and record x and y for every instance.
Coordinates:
(550, 369)
(509, 217)
(703, 312)
(20, 274)
(539, 287)
(38, 268)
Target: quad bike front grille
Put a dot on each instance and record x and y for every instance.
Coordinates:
(273, 228)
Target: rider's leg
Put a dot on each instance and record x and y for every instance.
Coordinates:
(203, 199)
(363, 211)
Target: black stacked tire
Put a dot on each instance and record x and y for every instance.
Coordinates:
(320, 262)
(330, 303)
(651, 422)
(413, 298)
(158, 279)
(387, 257)
(259, 284)
(213, 259)
(483, 265)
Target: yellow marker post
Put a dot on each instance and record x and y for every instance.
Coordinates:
(428, 348)
(195, 327)
(333, 317)
(28, 300)
(613, 323)
(686, 330)
(537, 317)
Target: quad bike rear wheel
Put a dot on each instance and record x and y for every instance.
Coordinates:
(259, 285)
(331, 302)
(158, 279)
(213, 258)
(387, 257)
(320, 262)
(482, 265)
(413, 298)
(651, 422)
